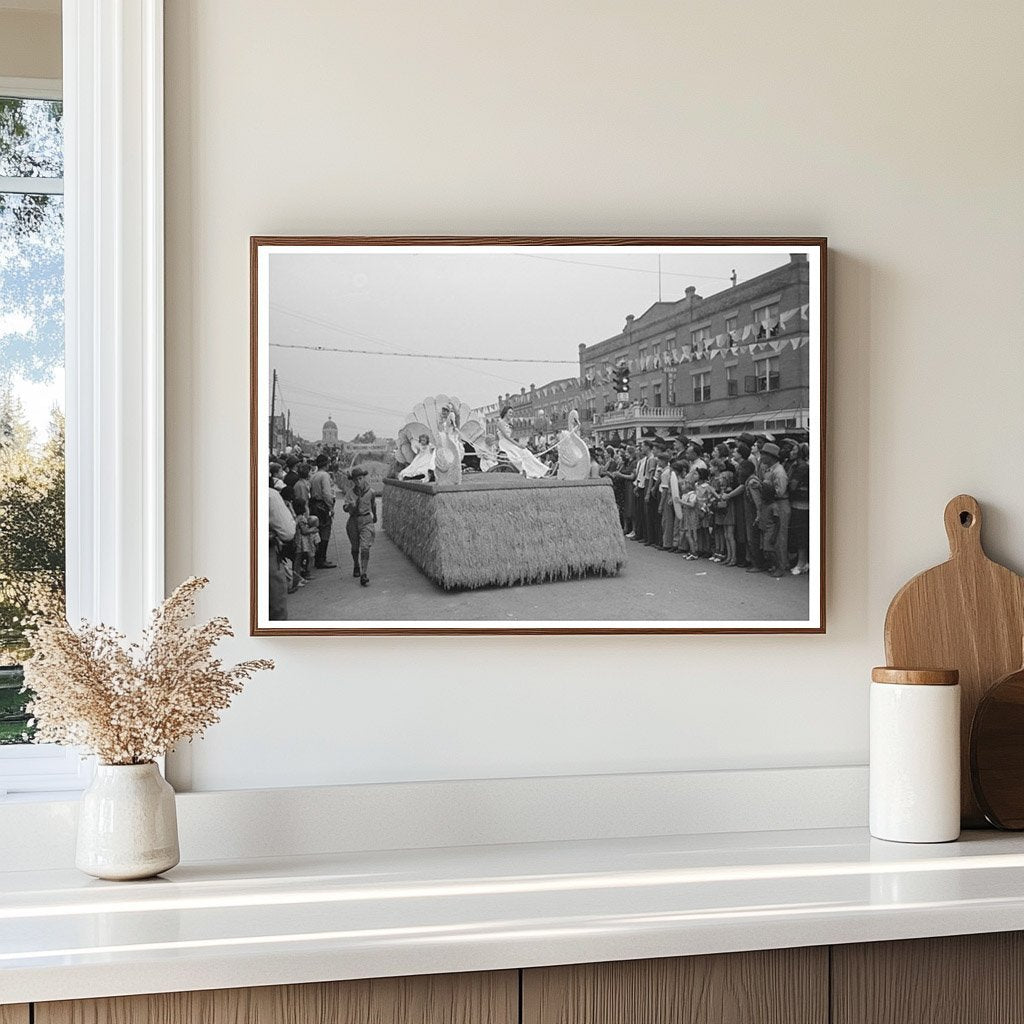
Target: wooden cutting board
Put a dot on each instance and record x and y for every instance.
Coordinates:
(997, 752)
(967, 614)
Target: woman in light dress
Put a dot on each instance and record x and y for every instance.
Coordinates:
(422, 466)
(522, 458)
(573, 453)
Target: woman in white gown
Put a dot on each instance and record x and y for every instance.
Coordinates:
(522, 458)
(422, 465)
(573, 453)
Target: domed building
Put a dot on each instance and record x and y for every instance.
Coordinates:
(330, 432)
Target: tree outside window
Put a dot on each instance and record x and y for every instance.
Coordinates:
(31, 385)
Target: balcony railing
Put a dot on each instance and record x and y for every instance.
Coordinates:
(640, 414)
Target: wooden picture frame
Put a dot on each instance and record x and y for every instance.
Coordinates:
(735, 365)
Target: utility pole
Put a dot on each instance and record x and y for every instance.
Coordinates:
(288, 429)
(659, 277)
(273, 401)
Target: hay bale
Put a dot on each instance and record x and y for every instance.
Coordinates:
(500, 530)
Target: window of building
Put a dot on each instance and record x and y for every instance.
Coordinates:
(767, 312)
(766, 372)
(732, 323)
(643, 395)
(32, 553)
(702, 386)
(700, 337)
(657, 396)
(766, 319)
(732, 385)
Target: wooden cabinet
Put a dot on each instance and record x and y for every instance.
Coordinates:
(778, 986)
(962, 979)
(491, 998)
(967, 979)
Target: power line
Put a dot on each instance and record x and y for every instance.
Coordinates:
(380, 341)
(339, 399)
(613, 266)
(421, 355)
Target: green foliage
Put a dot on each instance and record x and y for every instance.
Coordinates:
(31, 242)
(31, 524)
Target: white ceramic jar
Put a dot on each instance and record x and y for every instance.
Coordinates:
(915, 755)
(127, 823)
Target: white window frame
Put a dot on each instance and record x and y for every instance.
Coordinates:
(701, 379)
(113, 223)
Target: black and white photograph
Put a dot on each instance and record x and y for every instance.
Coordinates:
(537, 435)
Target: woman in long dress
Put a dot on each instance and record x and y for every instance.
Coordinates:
(522, 458)
(422, 466)
(573, 454)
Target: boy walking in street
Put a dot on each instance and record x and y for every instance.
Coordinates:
(361, 507)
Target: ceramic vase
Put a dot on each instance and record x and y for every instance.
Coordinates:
(127, 825)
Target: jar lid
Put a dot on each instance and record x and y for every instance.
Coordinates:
(916, 676)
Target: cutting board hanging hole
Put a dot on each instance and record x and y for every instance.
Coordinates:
(963, 526)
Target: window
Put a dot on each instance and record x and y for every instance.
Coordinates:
(657, 396)
(731, 323)
(732, 385)
(766, 320)
(643, 395)
(700, 337)
(702, 386)
(767, 373)
(31, 383)
(641, 356)
(767, 312)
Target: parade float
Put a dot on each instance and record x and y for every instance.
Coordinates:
(465, 512)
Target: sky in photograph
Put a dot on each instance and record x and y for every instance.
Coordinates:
(530, 304)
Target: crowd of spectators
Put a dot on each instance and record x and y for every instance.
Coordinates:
(744, 503)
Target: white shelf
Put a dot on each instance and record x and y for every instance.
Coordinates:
(353, 915)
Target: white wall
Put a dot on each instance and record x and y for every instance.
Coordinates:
(894, 129)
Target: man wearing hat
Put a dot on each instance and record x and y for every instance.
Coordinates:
(776, 509)
(361, 507)
(644, 466)
(321, 504)
(653, 498)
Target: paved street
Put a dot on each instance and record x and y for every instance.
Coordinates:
(653, 585)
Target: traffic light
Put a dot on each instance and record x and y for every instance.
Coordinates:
(620, 379)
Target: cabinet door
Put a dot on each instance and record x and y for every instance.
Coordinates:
(961, 979)
(490, 998)
(778, 986)
(14, 1014)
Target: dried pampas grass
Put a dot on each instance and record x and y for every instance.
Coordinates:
(128, 704)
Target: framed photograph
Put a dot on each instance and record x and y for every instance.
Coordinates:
(537, 435)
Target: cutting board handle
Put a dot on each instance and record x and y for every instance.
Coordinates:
(963, 527)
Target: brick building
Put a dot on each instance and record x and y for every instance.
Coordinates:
(707, 367)
(538, 412)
